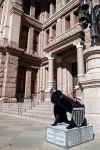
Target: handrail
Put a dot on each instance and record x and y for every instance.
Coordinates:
(21, 97)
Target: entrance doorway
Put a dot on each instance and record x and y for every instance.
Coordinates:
(34, 81)
(72, 78)
(20, 90)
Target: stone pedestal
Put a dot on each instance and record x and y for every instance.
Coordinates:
(67, 138)
(91, 86)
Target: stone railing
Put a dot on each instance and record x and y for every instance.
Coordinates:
(77, 28)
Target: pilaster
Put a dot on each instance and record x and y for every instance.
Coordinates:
(59, 78)
(14, 26)
(28, 84)
(59, 27)
(32, 9)
(10, 75)
(58, 5)
(30, 40)
(64, 76)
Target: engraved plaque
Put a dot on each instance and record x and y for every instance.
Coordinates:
(56, 136)
(73, 137)
(86, 134)
(50, 135)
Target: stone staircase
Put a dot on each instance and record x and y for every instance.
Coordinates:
(42, 112)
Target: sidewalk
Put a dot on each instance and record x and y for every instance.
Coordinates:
(21, 134)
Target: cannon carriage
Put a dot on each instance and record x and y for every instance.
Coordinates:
(64, 104)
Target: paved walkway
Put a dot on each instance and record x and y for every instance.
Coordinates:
(21, 134)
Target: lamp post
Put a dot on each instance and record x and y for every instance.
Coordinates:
(90, 16)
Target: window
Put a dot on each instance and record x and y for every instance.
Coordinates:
(23, 37)
(67, 21)
(47, 37)
(20, 90)
(35, 41)
(26, 6)
(54, 31)
(37, 10)
(75, 17)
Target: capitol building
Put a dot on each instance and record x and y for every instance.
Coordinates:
(42, 45)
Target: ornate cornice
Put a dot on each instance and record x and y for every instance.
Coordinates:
(63, 11)
(33, 21)
(16, 10)
(19, 52)
(27, 18)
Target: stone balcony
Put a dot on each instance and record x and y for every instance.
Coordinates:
(64, 37)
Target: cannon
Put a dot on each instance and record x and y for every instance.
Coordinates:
(64, 104)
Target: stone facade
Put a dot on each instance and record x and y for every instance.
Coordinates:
(41, 47)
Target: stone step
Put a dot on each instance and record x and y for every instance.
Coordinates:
(40, 117)
(37, 111)
(42, 112)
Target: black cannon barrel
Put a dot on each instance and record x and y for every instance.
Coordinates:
(58, 98)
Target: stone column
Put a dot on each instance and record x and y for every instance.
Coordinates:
(58, 27)
(28, 85)
(71, 19)
(63, 25)
(63, 2)
(50, 71)
(32, 9)
(42, 42)
(80, 59)
(7, 18)
(64, 76)
(70, 79)
(43, 85)
(59, 78)
(45, 39)
(30, 40)
(50, 34)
